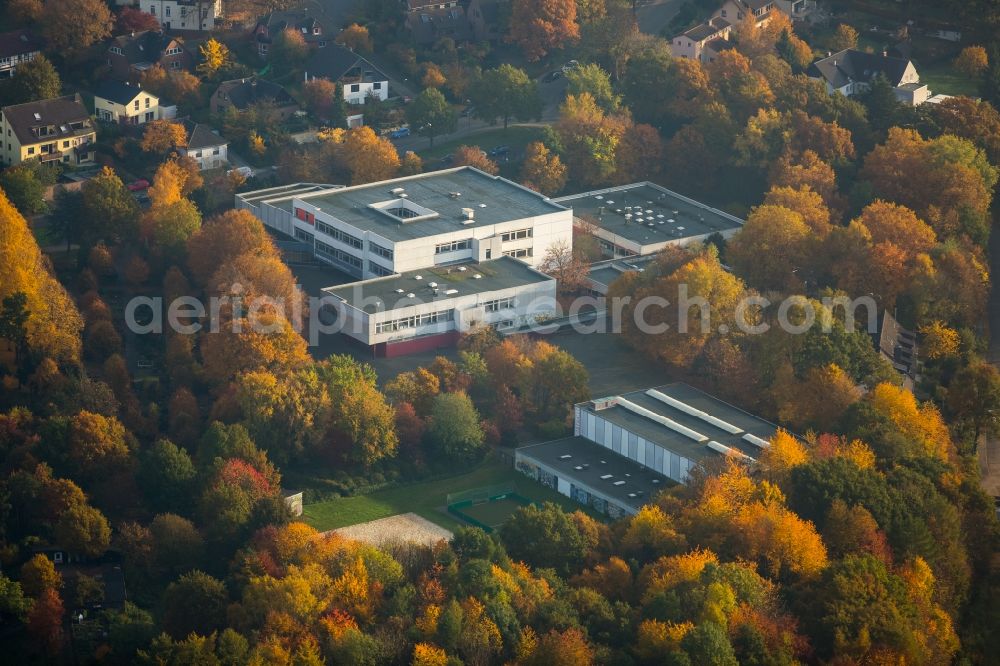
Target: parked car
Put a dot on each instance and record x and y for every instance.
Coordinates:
(570, 66)
(552, 76)
(400, 133)
(500, 151)
(448, 159)
(139, 185)
(244, 171)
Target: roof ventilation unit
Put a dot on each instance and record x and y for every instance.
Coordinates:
(432, 285)
(399, 291)
(469, 213)
(397, 191)
(454, 195)
(477, 276)
(411, 295)
(418, 277)
(450, 292)
(462, 269)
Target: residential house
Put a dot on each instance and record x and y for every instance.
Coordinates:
(896, 344)
(735, 11)
(299, 20)
(358, 77)
(205, 146)
(51, 129)
(123, 102)
(184, 14)
(796, 9)
(703, 42)
(17, 47)
(460, 20)
(243, 93)
(132, 54)
(851, 72)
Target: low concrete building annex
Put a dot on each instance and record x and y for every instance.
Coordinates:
(428, 308)
(644, 218)
(432, 219)
(649, 435)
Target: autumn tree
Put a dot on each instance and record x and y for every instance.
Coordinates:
(591, 78)
(132, 19)
(356, 38)
(475, 157)
(776, 232)
(72, 26)
(936, 178)
(318, 95)
(973, 399)
(364, 155)
(194, 603)
(38, 575)
(844, 37)
(938, 340)
(360, 421)
(540, 27)
(45, 622)
(590, 138)
(224, 238)
(51, 323)
(110, 206)
(542, 170)
(215, 58)
(288, 50)
(34, 80)
(25, 11)
(972, 61)
(545, 536)
(570, 271)
(162, 136)
(504, 93)
(433, 77)
(454, 428)
(431, 115)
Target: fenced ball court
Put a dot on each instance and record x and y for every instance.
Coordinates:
(488, 507)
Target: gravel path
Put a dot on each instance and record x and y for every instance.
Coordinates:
(403, 527)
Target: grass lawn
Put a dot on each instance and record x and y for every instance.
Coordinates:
(515, 137)
(943, 79)
(426, 499)
(493, 513)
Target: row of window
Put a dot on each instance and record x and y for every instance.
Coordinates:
(333, 254)
(414, 321)
(453, 246)
(518, 254)
(381, 271)
(498, 304)
(379, 250)
(343, 237)
(515, 235)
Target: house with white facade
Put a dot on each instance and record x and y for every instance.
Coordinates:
(626, 448)
(643, 218)
(427, 308)
(704, 41)
(427, 220)
(17, 47)
(851, 72)
(358, 77)
(205, 146)
(121, 102)
(184, 14)
(735, 11)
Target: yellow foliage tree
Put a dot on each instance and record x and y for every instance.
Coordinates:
(938, 340)
(656, 638)
(922, 424)
(425, 654)
(214, 58)
(785, 454)
(161, 136)
(54, 325)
